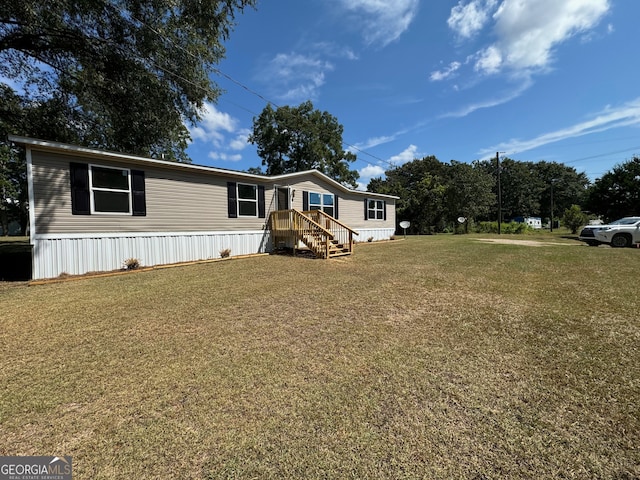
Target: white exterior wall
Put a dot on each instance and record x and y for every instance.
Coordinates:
(54, 255)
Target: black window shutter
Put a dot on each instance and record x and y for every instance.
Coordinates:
(384, 206)
(232, 200)
(261, 210)
(366, 209)
(80, 202)
(335, 207)
(137, 190)
(305, 201)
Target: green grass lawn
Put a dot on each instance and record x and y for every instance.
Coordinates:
(438, 357)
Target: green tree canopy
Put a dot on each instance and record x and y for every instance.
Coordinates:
(127, 73)
(574, 218)
(421, 185)
(470, 191)
(526, 187)
(293, 139)
(617, 193)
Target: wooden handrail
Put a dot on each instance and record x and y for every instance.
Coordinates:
(333, 220)
(293, 225)
(304, 218)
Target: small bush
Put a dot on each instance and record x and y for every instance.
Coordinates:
(131, 264)
(226, 253)
(370, 239)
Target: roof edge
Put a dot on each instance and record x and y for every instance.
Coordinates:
(79, 150)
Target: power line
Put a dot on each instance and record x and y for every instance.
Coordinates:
(236, 82)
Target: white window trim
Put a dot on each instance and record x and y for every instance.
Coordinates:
(375, 210)
(321, 204)
(101, 189)
(238, 199)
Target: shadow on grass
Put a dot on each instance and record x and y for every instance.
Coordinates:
(15, 261)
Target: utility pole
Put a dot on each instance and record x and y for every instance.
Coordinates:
(499, 195)
(551, 222)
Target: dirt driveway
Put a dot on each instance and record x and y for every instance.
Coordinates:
(528, 243)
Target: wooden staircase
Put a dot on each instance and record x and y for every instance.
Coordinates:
(322, 234)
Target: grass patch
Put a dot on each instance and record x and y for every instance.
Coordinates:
(434, 357)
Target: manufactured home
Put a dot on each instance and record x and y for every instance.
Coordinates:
(91, 210)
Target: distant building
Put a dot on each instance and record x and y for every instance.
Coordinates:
(533, 222)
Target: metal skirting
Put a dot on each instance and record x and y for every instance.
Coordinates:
(376, 234)
(77, 255)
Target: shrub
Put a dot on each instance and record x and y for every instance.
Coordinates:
(131, 264)
(370, 239)
(226, 253)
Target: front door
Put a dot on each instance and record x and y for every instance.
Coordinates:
(282, 198)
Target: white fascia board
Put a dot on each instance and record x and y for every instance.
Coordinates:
(330, 180)
(123, 157)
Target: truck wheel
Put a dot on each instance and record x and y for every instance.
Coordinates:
(620, 240)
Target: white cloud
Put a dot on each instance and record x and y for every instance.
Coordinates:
(408, 155)
(334, 50)
(220, 130)
(374, 142)
(528, 31)
(489, 60)
(467, 20)
(240, 141)
(371, 171)
(383, 21)
(298, 77)
(625, 115)
(446, 72)
(492, 102)
(213, 124)
(225, 156)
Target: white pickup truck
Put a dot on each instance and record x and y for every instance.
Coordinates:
(621, 233)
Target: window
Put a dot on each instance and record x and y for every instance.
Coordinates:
(375, 210)
(245, 200)
(322, 201)
(97, 189)
(110, 190)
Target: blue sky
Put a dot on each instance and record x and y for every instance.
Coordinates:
(536, 79)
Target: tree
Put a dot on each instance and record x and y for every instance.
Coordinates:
(421, 186)
(567, 186)
(469, 191)
(526, 187)
(521, 189)
(123, 75)
(293, 139)
(37, 119)
(127, 73)
(617, 193)
(13, 201)
(573, 218)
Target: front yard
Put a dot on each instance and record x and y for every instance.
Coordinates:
(431, 357)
